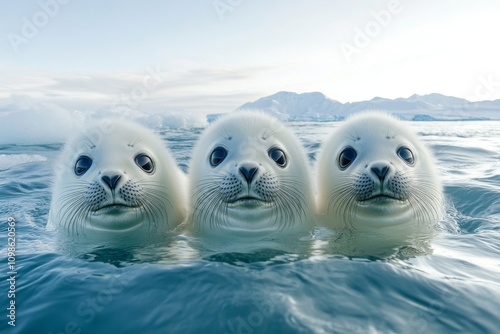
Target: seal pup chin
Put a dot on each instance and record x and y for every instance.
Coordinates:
(116, 180)
(249, 176)
(374, 175)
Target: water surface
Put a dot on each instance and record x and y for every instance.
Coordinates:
(455, 287)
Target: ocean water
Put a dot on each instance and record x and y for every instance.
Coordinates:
(454, 287)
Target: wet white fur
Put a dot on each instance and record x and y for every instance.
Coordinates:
(112, 144)
(376, 137)
(248, 136)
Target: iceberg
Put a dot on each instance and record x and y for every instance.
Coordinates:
(27, 121)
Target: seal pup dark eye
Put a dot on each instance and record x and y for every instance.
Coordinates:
(218, 155)
(346, 157)
(145, 162)
(82, 165)
(407, 155)
(278, 156)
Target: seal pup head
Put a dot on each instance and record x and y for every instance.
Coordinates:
(374, 172)
(116, 178)
(249, 175)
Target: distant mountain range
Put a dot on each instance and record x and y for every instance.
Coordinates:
(318, 107)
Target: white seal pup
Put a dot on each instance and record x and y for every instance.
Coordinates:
(117, 179)
(374, 172)
(249, 176)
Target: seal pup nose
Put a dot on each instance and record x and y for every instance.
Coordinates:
(248, 172)
(380, 170)
(111, 181)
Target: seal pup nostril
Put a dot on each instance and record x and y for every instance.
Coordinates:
(111, 181)
(248, 173)
(380, 171)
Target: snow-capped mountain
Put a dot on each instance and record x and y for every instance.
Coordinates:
(292, 106)
(316, 106)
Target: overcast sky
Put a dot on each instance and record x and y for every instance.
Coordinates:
(212, 56)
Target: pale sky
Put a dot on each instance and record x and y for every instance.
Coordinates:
(207, 56)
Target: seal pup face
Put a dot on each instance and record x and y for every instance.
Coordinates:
(373, 172)
(249, 173)
(114, 177)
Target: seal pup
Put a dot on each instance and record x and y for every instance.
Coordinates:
(249, 176)
(374, 173)
(116, 179)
